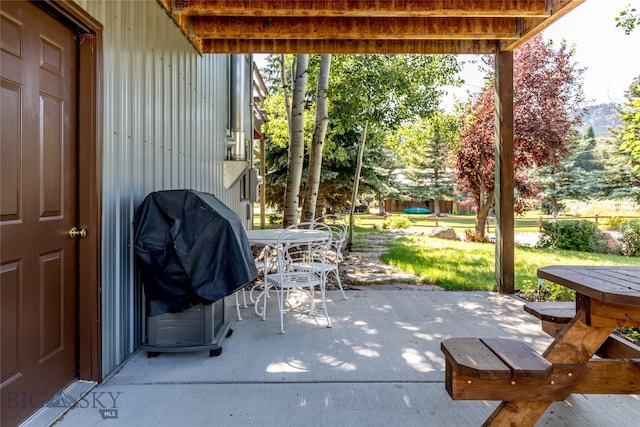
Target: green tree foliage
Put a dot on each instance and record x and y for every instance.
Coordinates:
(557, 183)
(584, 154)
(575, 177)
(426, 146)
(629, 132)
(618, 179)
(547, 93)
(277, 148)
(398, 87)
(628, 19)
(374, 94)
(620, 155)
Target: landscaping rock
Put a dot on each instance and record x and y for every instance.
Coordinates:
(607, 243)
(444, 233)
(362, 266)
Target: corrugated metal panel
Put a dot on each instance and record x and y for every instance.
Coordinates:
(165, 119)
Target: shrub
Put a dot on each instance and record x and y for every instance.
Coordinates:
(614, 223)
(630, 238)
(575, 235)
(545, 291)
(274, 218)
(476, 236)
(632, 334)
(397, 221)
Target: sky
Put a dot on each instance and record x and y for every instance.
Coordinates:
(611, 58)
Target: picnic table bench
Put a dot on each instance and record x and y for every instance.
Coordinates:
(553, 315)
(501, 369)
(556, 315)
(526, 382)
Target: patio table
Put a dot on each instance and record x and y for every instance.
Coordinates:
(270, 238)
(606, 298)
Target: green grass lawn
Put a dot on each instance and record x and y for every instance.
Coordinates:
(466, 266)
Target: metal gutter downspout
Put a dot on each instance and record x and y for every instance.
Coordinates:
(239, 105)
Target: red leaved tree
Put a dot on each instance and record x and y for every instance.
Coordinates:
(547, 108)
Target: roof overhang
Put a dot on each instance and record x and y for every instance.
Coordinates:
(363, 26)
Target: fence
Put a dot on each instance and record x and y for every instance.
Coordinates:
(521, 224)
(601, 220)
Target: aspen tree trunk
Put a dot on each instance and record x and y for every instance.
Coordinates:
(317, 141)
(285, 92)
(296, 142)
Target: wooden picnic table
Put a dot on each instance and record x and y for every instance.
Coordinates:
(606, 298)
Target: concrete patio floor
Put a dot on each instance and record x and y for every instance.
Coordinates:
(379, 365)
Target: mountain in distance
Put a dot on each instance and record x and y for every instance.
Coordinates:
(601, 117)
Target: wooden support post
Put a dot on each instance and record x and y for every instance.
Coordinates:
(504, 185)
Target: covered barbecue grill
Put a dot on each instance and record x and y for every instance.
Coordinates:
(192, 251)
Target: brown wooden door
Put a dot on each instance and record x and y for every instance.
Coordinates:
(38, 267)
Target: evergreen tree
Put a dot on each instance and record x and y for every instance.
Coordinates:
(426, 147)
(629, 132)
(618, 179)
(584, 153)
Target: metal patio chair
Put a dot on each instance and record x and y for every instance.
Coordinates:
(300, 249)
(338, 227)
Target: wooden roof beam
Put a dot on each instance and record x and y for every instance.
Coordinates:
(349, 46)
(258, 84)
(362, 8)
(355, 28)
(184, 23)
(530, 26)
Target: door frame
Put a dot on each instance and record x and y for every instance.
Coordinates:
(89, 134)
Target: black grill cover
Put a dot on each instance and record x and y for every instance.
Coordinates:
(191, 249)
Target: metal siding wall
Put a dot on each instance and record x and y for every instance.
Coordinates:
(165, 118)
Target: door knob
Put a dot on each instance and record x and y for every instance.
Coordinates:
(75, 233)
